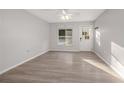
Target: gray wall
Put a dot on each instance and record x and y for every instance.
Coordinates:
(109, 40)
(22, 36)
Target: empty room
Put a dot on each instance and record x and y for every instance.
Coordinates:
(61, 45)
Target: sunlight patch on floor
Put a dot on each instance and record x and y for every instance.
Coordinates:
(100, 66)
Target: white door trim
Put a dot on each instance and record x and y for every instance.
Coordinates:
(91, 39)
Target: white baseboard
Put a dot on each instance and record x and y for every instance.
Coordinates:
(1, 72)
(101, 58)
(112, 67)
(64, 50)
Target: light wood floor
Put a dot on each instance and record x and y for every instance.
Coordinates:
(57, 67)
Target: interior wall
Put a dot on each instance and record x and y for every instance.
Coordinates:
(22, 36)
(109, 38)
(75, 40)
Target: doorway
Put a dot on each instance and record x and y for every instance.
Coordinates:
(86, 38)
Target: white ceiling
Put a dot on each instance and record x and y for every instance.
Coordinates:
(78, 15)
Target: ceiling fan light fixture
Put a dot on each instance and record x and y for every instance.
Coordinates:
(65, 15)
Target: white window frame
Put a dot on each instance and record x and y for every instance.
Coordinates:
(58, 36)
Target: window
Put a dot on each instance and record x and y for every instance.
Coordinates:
(65, 37)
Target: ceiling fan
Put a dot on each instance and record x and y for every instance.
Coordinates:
(65, 15)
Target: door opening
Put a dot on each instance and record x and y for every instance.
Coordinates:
(86, 38)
